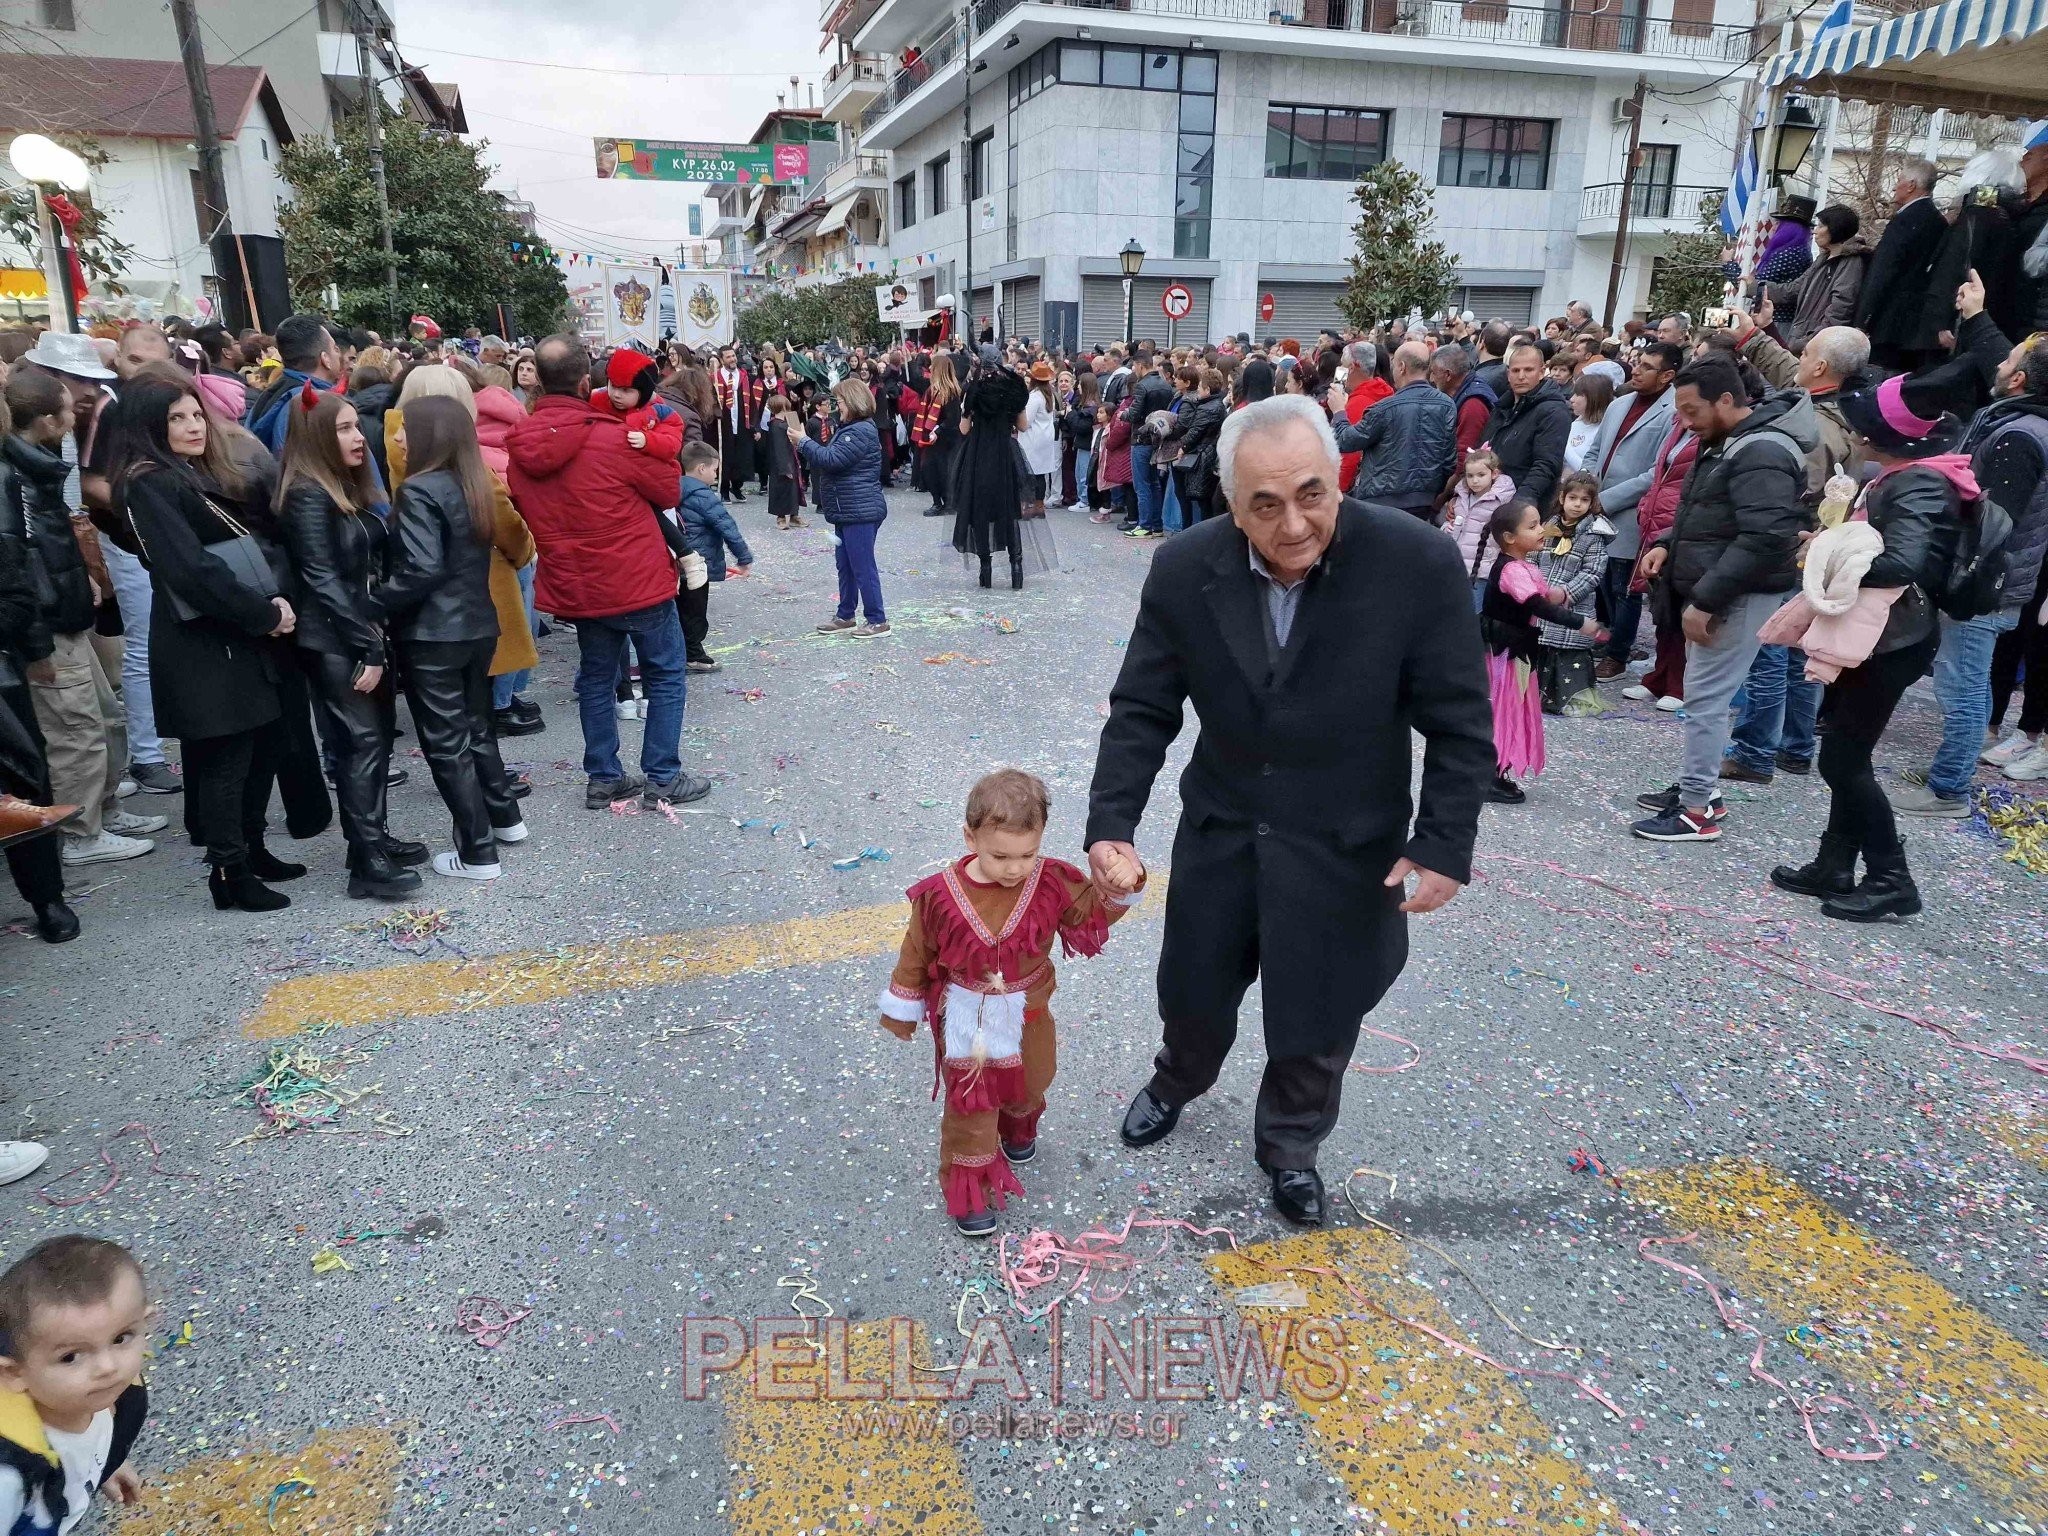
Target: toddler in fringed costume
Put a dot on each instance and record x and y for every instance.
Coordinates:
(977, 965)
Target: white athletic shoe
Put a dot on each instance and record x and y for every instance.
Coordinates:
(629, 709)
(128, 824)
(2017, 744)
(126, 788)
(1637, 692)
(19, 1159)
(107, 848)
(1669, 705)
(2029, 765)
(516, 833)
(451, 864)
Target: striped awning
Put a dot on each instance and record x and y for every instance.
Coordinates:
(1967, 55)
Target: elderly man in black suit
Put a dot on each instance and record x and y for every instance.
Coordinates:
(1892, 309)
(1313, 634)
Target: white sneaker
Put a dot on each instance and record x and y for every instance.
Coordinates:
(1637, 692)
(19, 1159)
(107, 848)
(2017, 744)
(126, 788)
(2029, 765)
(451, 864)
(630, 709)
(1669, 705)
(131, 825)
(516, 833)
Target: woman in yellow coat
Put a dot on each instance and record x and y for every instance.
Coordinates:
(511, 544)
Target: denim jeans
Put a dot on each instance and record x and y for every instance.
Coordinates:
(131, 589)
(1172, 516)
(1962, 682)
(859, 579)
(1620, 609)
(1084, 463)
(506, 684)
(1145, 486)
(657, 634)
(1774, 710)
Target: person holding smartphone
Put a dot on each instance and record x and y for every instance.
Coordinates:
(326, 493)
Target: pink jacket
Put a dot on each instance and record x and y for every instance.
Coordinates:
(224, 393)
(1469, 516)
(498, 411)
(1833, 642)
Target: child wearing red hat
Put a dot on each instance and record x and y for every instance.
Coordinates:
(652, 425)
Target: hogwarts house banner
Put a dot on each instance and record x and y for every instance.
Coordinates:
(703, 307)
(631, 316)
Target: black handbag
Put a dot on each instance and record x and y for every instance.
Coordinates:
(245, 560)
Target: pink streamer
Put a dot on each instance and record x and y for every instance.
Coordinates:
(473, 1317)
(1043, 1258)
(151, 1150)
(1806, 1406)
(1414, 1054)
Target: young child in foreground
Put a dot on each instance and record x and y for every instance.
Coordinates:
(977, 964)
(1517, 599)
(73, 1320)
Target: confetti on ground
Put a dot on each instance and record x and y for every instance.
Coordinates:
(412, 930)
(2018, 820)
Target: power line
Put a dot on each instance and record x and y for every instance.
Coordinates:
(644, 74)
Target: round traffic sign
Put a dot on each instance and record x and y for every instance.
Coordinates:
(1266, 306)
(1176, 302)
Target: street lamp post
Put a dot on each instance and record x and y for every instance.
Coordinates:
(1132, 259)
(44, 162)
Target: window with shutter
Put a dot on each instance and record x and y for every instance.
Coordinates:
(1692, 18)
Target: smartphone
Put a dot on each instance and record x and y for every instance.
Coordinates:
(1717, 319)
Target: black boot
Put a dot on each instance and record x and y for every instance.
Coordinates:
(373, 872)
(1016, 573)
(56, 923)
(232, 885)
(1832, 871)
(1886, 891)
(403, 851)
(988, 578)
(265, 865)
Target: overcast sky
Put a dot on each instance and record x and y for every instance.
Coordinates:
(732, 57)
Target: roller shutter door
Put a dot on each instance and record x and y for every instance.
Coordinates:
(1102, 311)
(1517, 306)
(1021, 309)
(1300, 310)
(982, 301)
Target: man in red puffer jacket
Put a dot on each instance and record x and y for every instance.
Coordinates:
(594, 505)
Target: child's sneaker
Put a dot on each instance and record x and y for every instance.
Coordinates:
(1022, 1152)
(980, 1224)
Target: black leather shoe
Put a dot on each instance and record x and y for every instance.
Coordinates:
(403, 851)
(521, 786)
(56, 923)
(265, 865)
(506, 723)
(525, 709)
(1149, 1119)
(1298, 1195)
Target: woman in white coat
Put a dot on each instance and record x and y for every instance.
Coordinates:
(1039, 440)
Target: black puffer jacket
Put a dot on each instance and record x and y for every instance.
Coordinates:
(1198, 427)
(2008, 448)
(1529, 433)
(1917, 511)
(37, 510)
(438, 581)
(1741, 513)
(335, 555)
(371, 402)
(1408, 441)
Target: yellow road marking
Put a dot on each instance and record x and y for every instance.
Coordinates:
(796, 1466)
(431, 987)
(354, 1473)
(2025, 1137)
(1976, 1397)
(1427, 1440)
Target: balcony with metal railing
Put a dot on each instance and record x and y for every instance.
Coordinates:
(852, 83)
(920, 65)
(854, 171)
(1655, 207)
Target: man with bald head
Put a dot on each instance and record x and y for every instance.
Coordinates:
(1315, 636)
(1407, 440)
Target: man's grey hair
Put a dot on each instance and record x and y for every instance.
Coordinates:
(1842, 349)
(1919, 172)
(1267, 416)
(490, 343)
(1453, 359)
(1363, 355)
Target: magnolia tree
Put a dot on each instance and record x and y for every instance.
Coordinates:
(1396, 269)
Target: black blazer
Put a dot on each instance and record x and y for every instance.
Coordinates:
(217, 674)
(335, 556)
(438, 583)
(1892, 309)
(36, 506)
(1318, 743)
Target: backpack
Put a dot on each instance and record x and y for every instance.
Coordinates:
(1982, 565)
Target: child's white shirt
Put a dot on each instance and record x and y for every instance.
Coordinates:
(83, 1456)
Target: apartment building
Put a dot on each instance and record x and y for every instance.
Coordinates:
(1224, 137)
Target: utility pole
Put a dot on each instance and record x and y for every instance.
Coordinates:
(213, 181)
(373, 110)
(967, 164)
(1628, 192)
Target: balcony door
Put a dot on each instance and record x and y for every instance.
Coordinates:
(1610, 26)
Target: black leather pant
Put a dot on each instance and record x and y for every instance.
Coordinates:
(448, 685)
(227, 790)
(358, 729)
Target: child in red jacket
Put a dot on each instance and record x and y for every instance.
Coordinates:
(652, 425)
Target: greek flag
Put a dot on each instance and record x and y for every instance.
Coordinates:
(1735, 206)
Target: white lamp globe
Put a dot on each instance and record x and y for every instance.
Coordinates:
(36, 158)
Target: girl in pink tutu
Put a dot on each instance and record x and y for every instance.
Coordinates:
(1516, 602)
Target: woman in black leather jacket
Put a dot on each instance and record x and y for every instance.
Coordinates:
(437, 596)
(1915, 505)
(325, 495)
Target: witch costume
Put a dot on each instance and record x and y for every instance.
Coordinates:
(988, 471)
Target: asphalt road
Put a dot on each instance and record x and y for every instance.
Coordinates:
(672, 1101)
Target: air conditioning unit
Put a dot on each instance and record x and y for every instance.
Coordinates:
(1623, 113)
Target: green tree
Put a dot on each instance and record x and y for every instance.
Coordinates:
(99, 253)
(804, 317)
(452, 235)
(1686, 274)
(1396, 267)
